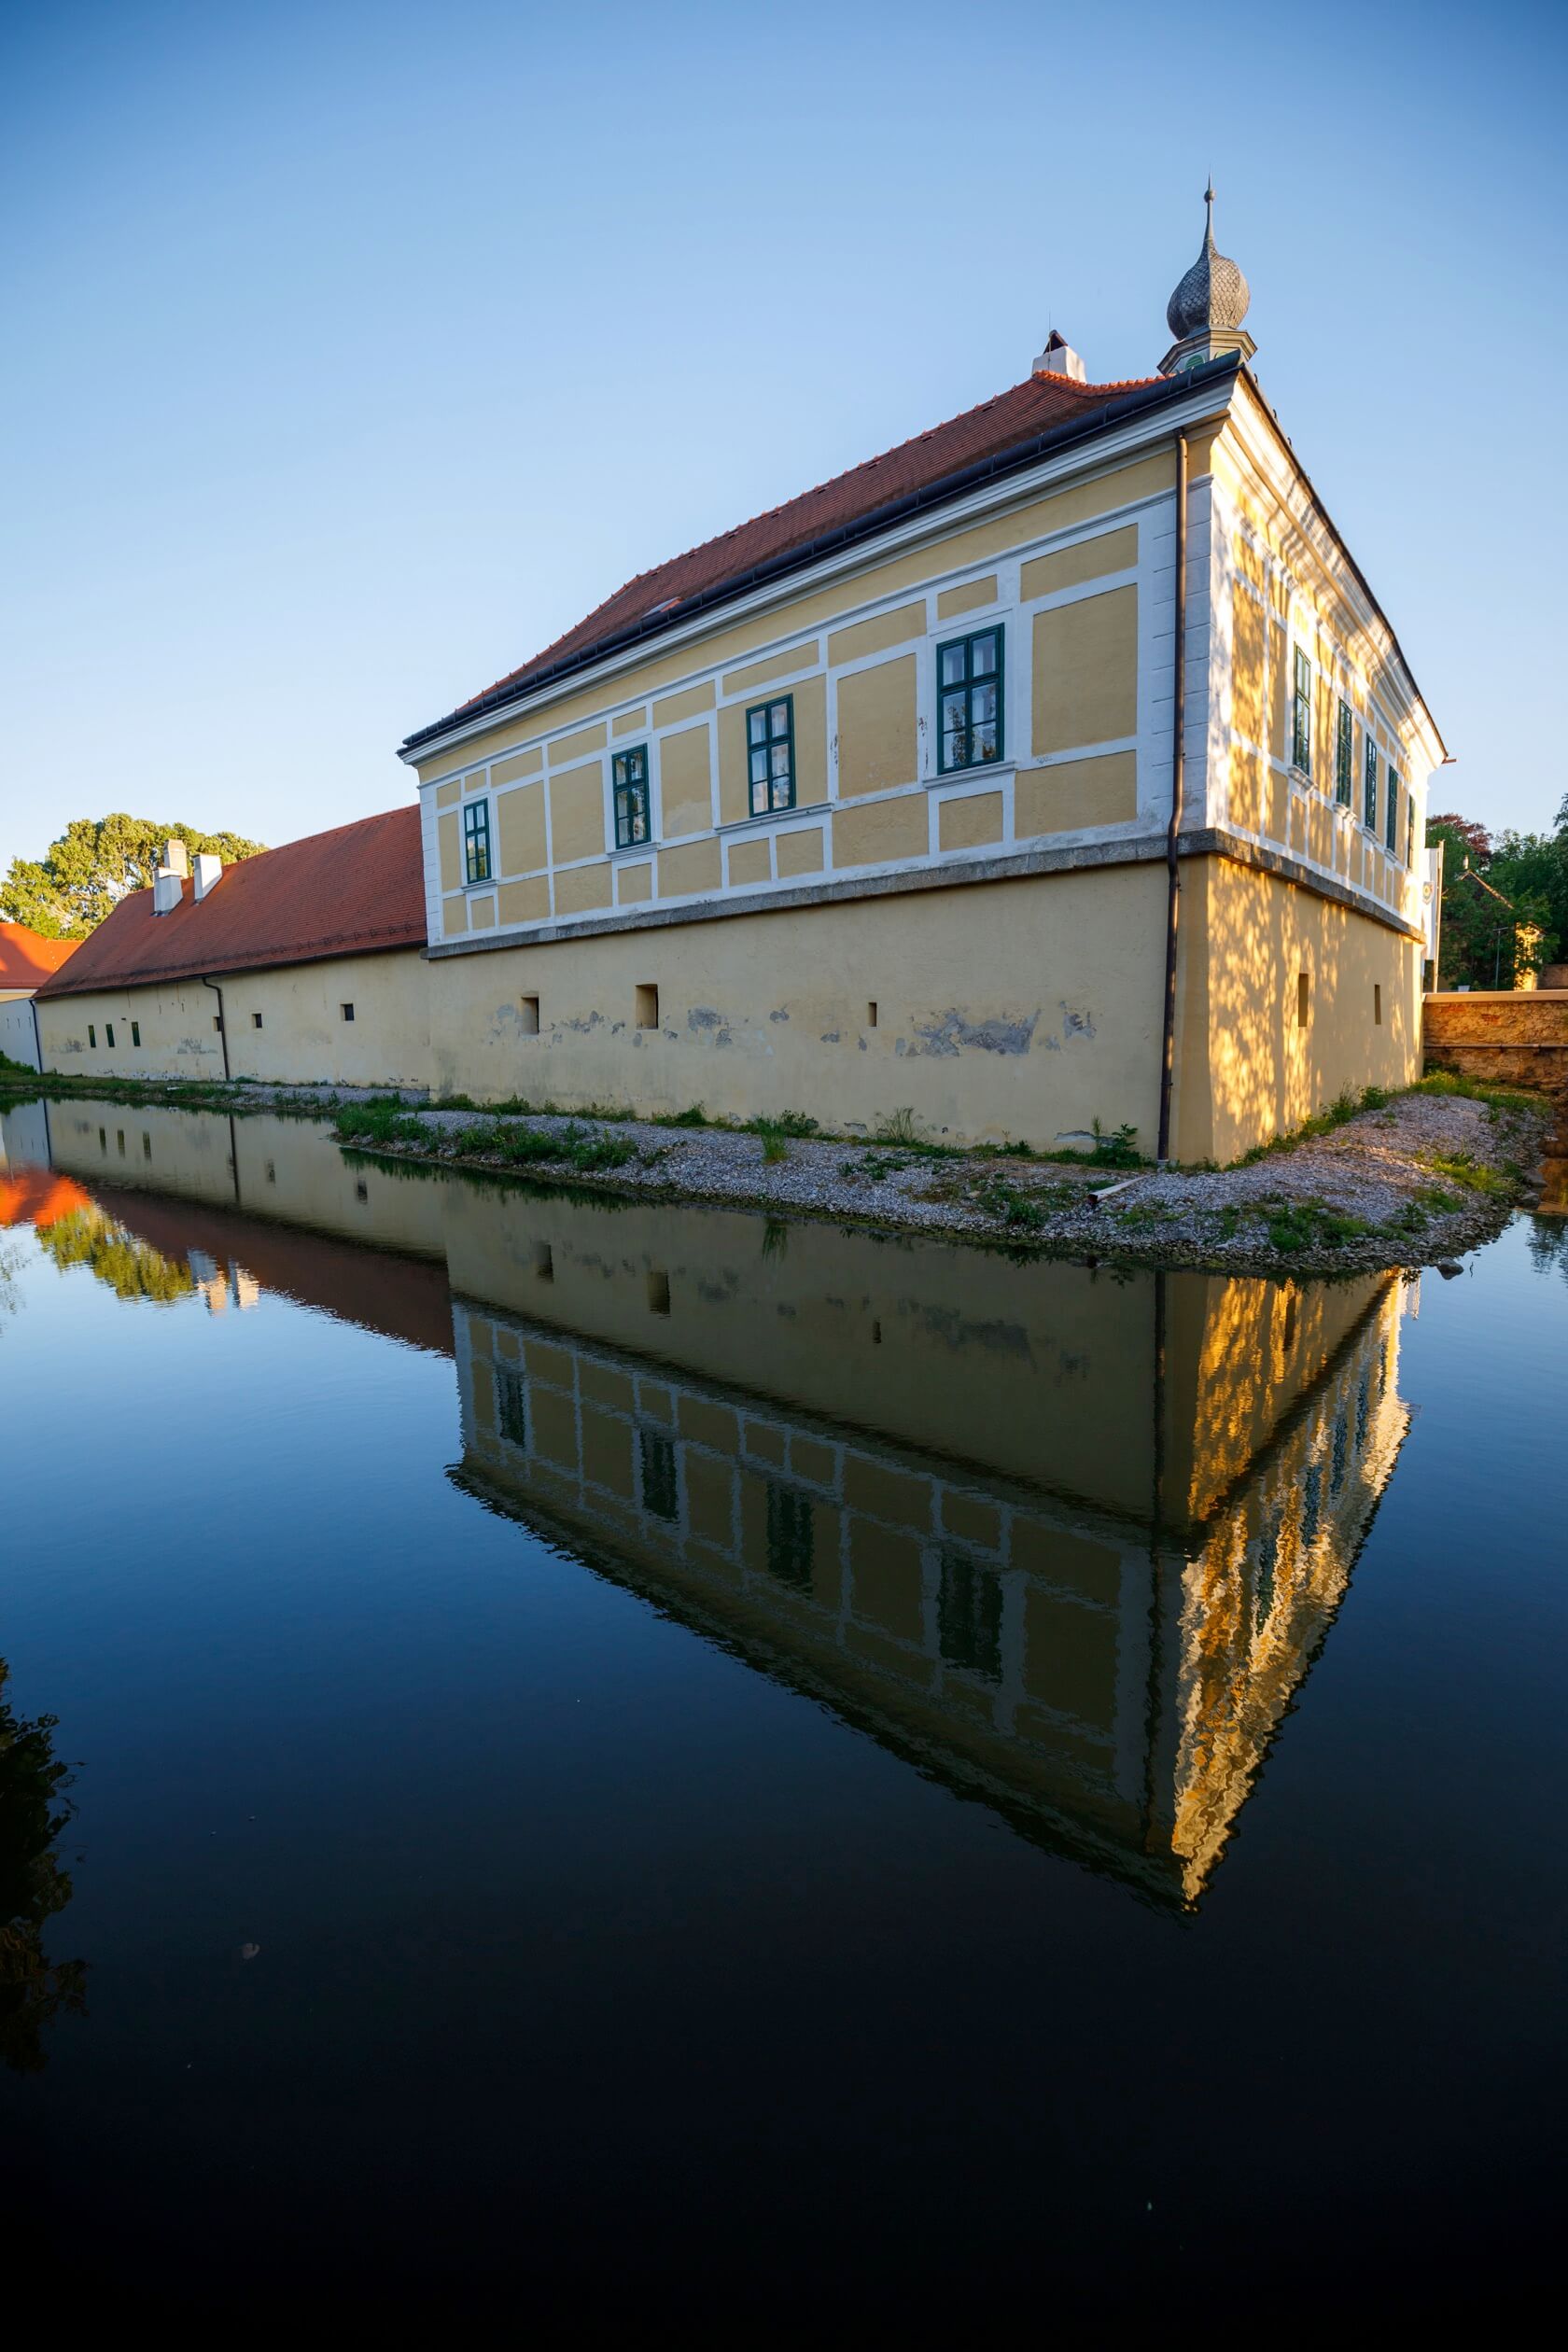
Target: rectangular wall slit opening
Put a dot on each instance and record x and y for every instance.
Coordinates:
(871, 1014)
(647, 1006)
(1377, 1005)
(1303, 997)
(530, 1016)
(658, 1294)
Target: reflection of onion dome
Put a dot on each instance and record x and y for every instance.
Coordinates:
(1205, 311)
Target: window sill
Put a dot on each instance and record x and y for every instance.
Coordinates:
(963, 775)
(774, 817)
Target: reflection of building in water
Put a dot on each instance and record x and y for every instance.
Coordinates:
(1068, 1541)
(1108, 1676)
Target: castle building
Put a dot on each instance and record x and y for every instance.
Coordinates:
(1057, 768)
(1058, 765)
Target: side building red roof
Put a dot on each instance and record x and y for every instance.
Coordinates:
(1012, 421)
(347, 892)
(27, 959)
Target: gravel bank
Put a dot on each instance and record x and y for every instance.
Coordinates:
(1413, 1183)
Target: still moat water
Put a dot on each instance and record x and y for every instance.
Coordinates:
(757, 1768)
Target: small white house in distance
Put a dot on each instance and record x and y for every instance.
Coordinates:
(26, 961)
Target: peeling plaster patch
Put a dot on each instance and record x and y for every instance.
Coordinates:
(703, 1016)
(779, 1016)
(595, 1020)
(1077, 1023)
(718, 1293)
(863, 1046)
(1075, 1139)
(787, 1312)
(829, 1037)
(952, 1034)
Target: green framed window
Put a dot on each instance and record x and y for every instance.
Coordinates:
(1369, 787)
(969, 701)
(1391, 835)
(109, 1034)
(476, 840)
(1301, 714)
(629, 776)
(1344, 757)
(135, 1032)
(770, 755)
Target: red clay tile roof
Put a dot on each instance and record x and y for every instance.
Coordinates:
(26, 960)
(1042, 405)
(341, 893)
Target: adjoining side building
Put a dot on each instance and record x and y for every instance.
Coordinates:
(27, 960)
(1057, 766)
(301, 965)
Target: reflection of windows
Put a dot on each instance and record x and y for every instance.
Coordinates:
(631, 796)
(789, 1536)
(1369, 801)
(1341, 1449)
(1344, 755)
(1364, 1410)
(512, 1416)
(1301, 714)
(659, 1491)
(476, 840)
(969, 701)
(1268, 1561)
(1311, 1506)
(770, 753)
(969, 1615)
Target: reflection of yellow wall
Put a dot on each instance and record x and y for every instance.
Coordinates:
(303, 1035)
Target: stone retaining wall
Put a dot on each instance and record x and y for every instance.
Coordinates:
(1517, 1038)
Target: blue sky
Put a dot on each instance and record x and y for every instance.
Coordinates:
(355, 351)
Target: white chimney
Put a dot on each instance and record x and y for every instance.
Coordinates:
(167, 890)
(175, 858)
(209, 868)
(1060, 358)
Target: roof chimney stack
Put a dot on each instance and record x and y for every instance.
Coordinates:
(167, 890)
(1060, 358)
(209, 869)
(176, 860)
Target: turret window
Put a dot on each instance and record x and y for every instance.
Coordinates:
(633, 822)
(969, 701)
(1344, 758)
(770, 755)
(1369, 804)
(1301, 715)
(476, 840)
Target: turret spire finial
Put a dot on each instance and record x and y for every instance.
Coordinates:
(1205, 311)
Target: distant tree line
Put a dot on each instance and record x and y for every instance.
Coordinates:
(96, 861)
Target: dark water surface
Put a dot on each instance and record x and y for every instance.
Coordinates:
(637, 1751)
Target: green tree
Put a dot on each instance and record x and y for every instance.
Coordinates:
(96, 861)
(1504, 900)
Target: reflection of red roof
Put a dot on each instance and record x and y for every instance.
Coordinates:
(37, 1196)
(26, 959)
(983, 435)
(347, 892)
(402, 1297)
